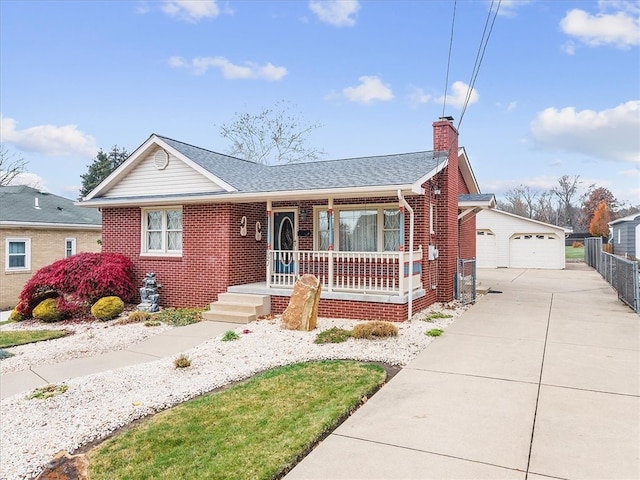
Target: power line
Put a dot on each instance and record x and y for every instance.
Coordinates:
(446, 82)
(480, 56)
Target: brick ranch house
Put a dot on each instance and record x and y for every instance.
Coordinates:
(381, 233)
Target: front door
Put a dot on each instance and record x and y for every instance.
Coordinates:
(284, 240)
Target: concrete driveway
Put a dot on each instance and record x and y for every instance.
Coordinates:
(539, 381)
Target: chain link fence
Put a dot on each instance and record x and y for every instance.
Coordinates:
(465, 284)
(621, 273)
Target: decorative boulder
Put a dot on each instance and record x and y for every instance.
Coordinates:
(302, 311)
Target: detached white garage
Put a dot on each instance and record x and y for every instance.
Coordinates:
(507, 240)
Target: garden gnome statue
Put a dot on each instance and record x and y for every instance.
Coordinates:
(149, 296)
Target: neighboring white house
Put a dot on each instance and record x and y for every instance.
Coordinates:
(507, 240)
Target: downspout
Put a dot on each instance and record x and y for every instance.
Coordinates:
(411, 223)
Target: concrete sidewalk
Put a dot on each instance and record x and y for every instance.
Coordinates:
(540, 381)
(166, 344)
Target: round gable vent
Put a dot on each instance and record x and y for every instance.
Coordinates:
(161, 159)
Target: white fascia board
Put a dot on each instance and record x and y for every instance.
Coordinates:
(141, 151)
(467, 172)
(376, 191)
(418, 183)
(50, 226)
(195, 166)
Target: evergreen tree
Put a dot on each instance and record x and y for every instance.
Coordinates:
(103, 165)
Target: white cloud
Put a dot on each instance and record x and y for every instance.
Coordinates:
(370, 89)
(339, 13)
(191, 10)
(610, 134)
(418, 97)
(458, 95)
(508, 7)
(48, 139)
(621, 28)
(251, 70)
(29, 179)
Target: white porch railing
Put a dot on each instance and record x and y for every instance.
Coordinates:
(357, 272)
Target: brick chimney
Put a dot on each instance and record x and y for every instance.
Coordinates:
(445, 139)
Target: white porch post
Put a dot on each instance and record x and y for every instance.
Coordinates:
(330, 248)
(268, 265)
(411, 227)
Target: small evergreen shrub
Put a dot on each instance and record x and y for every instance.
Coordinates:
(136, 316)
(47, 311)
(107, 308)
(183, 361)
(375, 329)
(434, 332)
(5, 354)
(333, 335)
(16, 316)
(152, 323)
(230, 335)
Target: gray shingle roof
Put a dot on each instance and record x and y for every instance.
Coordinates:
(246, 176)
(18, 204)
(475, 197)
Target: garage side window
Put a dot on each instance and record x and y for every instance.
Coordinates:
(18, 254)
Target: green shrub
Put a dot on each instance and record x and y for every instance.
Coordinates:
(107, 308)
(16, 316)
(437, 315)
(230, 335)
(136, 316)
(47, 311)
(179, 317)
(333, 335)
(5, 354)
(375, 329)
(42, 393)
(183, 361)
(434, 332)
(152, 323)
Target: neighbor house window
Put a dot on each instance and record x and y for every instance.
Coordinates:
(162, 231)
(360, 229)
(18, 254)
(69, 247)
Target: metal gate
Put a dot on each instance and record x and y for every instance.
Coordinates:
(465, 282)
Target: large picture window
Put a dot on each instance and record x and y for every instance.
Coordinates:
(359, 229)
(162, 231)
(18, 254)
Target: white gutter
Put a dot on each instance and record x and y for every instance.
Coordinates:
(411, 222)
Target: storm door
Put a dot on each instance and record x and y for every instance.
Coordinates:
(284, 240)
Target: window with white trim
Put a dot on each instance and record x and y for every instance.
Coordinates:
(69, 247)
(162, 231)
(18, 254)
(367, 228)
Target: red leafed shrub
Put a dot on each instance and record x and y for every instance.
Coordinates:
(78, 281)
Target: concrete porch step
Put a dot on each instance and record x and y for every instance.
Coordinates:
(238, 308)
(216, 315)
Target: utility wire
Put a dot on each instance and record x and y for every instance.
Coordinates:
(480, 56)
(446, 82)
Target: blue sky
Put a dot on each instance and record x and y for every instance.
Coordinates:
(558, 90)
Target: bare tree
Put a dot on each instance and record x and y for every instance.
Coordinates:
(273, 136)
(520, 200)
(10, 166)
(544, 210)
(565, 192)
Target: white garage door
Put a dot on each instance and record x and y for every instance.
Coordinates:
(534, 250)
(485, 249)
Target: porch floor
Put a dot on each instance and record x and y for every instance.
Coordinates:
(260, 288)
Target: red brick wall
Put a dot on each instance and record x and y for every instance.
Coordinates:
(467, 228)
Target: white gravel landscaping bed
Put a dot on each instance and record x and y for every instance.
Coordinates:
(33, 431)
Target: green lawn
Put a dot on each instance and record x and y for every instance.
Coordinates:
(15, 337)
(256, 429)
(574, 253)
